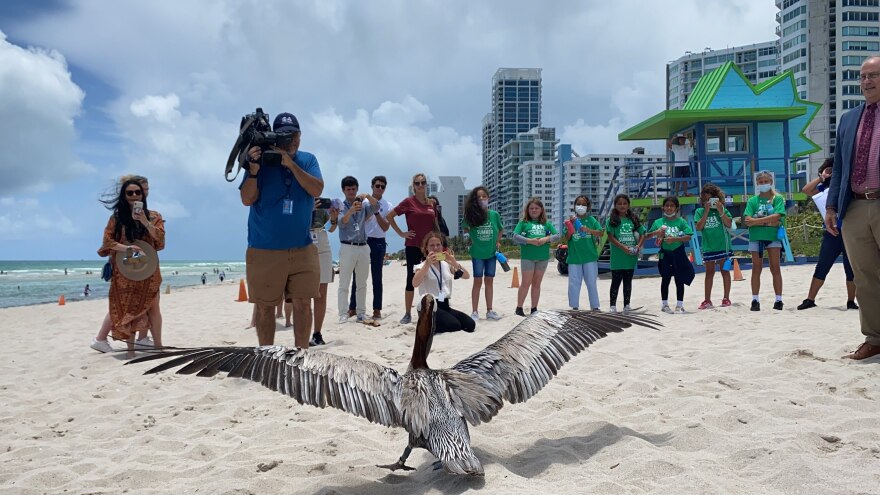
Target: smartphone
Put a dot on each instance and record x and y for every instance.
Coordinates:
(138, 207)
(323, 203)
(440, 256)
(713, 201)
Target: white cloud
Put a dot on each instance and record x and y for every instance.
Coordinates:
(161, 108)
(170, 209)
(27, 219)
(38, 103)
(409, 111)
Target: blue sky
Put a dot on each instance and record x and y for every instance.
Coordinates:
(91, 90)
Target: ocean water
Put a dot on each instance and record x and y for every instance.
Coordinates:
(23, 283)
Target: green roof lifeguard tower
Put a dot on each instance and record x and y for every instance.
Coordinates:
(738, 129)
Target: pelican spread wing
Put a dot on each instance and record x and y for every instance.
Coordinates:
(311, 377)
(520, 363)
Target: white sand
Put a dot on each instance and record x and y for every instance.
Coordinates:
(719, 401)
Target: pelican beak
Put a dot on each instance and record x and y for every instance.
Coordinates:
(424, 332)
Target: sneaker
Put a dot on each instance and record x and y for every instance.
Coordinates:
(343, 318)
(707, 304)
(519, 311)
(666, 309)
(406, 319)
(475, 316)
(807, 304)
(851, 305)
(144, 342)
(756, 306)
(725, 303)
(361, 318)
(574, 309)
(317, 339)
(612, 309)
(101, 345)
(680, 310)
(533, 311)
(491, 315)
(627, 309)
(777, 305)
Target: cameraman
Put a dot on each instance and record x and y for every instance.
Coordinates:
(281, 258)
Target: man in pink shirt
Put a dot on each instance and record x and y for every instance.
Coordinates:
(854, 201)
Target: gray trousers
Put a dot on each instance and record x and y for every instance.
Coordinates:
(861, 237)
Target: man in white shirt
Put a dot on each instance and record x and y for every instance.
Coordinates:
(376, 226)
(681, 149)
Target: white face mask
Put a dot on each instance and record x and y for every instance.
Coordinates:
(484, 203)
(670, 215)
(762, 188)
(581, 210)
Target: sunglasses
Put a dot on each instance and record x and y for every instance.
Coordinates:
(420, 183)
(131, 193)
(380, 186)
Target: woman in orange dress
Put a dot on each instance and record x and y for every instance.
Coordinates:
(130, 300)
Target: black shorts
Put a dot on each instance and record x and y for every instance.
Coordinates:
(681, 171)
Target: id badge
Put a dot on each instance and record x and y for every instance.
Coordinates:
(314, 237)
(287, 207)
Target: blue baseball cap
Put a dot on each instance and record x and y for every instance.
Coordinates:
(285, 122)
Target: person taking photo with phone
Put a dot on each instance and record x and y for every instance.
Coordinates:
(434, 276)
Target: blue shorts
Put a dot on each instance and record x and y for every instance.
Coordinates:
(760, 246)
(716, 255)
(484, 268)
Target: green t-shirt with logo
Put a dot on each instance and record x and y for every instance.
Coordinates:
(714, 234)
(484, 237)
(620, 259)
(675, 227)
(582, 245)
(758, 207)
(534, 230)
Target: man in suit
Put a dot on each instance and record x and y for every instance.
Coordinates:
(854, 201)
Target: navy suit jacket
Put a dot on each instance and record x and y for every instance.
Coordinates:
(840, 192)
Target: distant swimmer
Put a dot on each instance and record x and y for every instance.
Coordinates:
(87, 291)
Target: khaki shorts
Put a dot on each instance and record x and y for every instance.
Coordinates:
(272, 272)
(325, 257)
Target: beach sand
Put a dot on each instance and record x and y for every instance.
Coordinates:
(718, 401)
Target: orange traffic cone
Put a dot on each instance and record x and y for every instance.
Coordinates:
(737, 274)
(515, 282)
(242, 291)
(61, 300)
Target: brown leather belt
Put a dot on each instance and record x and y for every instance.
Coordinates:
(866, 195)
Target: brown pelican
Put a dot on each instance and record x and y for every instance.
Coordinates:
(434, 406)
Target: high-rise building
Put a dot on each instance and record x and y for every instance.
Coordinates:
(451, 195)
(522, 158)
(824, 43)
(516, 108)
(758, 62)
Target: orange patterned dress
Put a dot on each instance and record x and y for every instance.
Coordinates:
(130, 300)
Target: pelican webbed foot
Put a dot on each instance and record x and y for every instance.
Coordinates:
(400, 464)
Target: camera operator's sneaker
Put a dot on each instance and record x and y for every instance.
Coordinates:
(101, 345)
(491, 315)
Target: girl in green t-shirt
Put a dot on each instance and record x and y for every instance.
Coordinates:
(626, 236)
(534, 234)
(583, 232)
(765, 216)
(672, 232)
(484, 229)
(713, 220)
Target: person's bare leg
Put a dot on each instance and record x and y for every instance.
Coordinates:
(408, 296)
(279, 310)
(850, 291)
(524, 287)
(130, 343)
(817, 284)
(774, 254)
(757, 266)
(106, 326)
(265, 324)
(536, 287)
(475, 293)
(155, 316)
(320, 308)
(490, 292)
(253, 317)
(710, 280)
(725, 277)
(288, 307)
(302, 321)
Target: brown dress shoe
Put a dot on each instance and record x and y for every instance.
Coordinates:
(351, 312)
(377, 315)
(865, 351)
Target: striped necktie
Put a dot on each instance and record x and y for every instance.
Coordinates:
(860, 171)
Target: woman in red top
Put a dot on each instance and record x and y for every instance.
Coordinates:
(421, 218)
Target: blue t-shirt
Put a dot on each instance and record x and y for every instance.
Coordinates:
(268, 225)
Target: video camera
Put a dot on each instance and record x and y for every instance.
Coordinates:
(255, 130)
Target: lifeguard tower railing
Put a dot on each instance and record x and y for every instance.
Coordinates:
(647, 184)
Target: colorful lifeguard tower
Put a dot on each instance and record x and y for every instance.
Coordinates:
(738, 129)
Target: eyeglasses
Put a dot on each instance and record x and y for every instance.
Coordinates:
(133, 192)
(870, 76)
(420, 182)
(380, 186)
